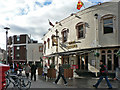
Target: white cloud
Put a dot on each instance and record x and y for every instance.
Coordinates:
(25, 16)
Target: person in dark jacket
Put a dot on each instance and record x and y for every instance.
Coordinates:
(33, 71)
(60, 74)
(103, 74)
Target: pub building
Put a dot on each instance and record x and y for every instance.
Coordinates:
(86, 37)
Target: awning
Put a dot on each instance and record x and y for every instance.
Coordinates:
(75, 52)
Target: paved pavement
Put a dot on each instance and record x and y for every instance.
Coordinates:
(79, 82)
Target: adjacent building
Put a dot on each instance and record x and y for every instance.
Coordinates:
(34, 52)
(18, 48)
(2, 55)
(86, 37)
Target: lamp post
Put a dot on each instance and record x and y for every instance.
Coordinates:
(6, 28)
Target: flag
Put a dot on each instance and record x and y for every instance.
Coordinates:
(79, 5)
(50, 23)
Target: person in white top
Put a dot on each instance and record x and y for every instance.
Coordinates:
(45, 70)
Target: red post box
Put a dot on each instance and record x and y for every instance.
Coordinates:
(3, 69)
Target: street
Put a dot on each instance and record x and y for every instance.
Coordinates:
(78, 82)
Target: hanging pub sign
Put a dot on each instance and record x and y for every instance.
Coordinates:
(54, 40)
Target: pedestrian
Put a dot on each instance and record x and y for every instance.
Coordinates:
(60, 74)
(27, 70)
(103, 74)
(16, 68)
(45, 68)
(33, 71)
(20, 69)
(117, 74)
(13, 67)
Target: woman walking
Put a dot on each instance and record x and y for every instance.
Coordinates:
(45, 71)
(27, 70)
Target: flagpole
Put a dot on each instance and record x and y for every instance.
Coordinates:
(83, 5)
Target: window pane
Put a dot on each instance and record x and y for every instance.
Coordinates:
(18, 38)
(109, 51)
(80, 28)
(115, 51)
(108, 29)
(18, 48)
(108, 25)
(108, 21)
(103, 58)
(103, 51)
(109, 57)
(80, 31)
(65, 36)
(81, 34)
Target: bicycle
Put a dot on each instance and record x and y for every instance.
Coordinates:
(18, 82)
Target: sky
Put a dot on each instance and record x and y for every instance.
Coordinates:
(31, 16)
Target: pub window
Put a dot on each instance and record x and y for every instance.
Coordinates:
(80, 27)
(109, 51)
(103, 51)
(115, 51)
(108, 22)
(64, 34)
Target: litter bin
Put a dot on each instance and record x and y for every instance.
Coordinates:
(3, 69)
(118, 73)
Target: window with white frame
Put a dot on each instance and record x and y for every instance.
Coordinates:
(64, 34)
(80, 27)
(108, 23)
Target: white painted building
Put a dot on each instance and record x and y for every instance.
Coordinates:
(86, 37)
(34, 52)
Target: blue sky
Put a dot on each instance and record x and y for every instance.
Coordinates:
(31, 16)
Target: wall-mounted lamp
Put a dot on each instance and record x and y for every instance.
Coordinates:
(96, 16)
(75, 15)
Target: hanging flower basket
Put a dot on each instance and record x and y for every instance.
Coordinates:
(96, 54)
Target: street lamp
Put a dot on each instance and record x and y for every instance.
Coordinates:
(6, 28)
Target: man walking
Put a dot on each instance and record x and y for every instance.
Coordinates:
(60, 74)
(103, 74)
(33, 71)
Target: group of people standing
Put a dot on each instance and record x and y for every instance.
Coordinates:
(15, 67)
